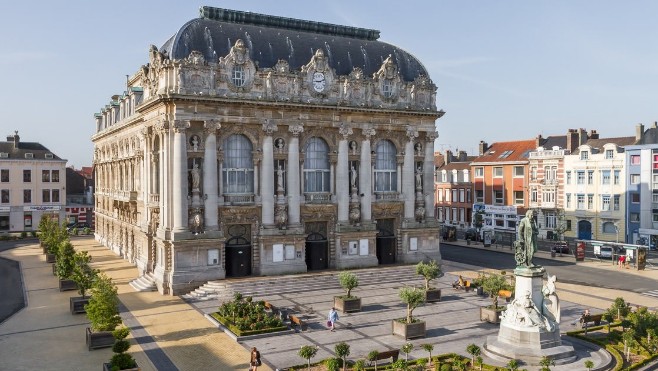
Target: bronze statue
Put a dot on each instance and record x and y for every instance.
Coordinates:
(526, 245)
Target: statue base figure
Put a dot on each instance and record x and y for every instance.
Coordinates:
(528, 330)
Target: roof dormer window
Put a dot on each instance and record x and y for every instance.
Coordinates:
(584, 155)
(29, 155)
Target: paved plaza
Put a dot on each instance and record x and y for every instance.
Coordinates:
(171, 333)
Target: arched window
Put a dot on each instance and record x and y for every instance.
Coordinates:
(316, 166)
(609, 227)
(238, 165)
(385, 167)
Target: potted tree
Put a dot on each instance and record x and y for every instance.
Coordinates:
(55, 235)
(348, 303)
(492, 284)
(430, 271)
(64, 266)
(307, 352)
(103, 313)
(84, 276)
(121, 360)
(409, 327)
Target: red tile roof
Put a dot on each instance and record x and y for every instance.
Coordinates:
(507, 151)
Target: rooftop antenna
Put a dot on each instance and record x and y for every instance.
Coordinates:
(127, 83)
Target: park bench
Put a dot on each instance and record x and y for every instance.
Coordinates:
(592, 318)
(393, 354)
(505, 294)
(294, 320)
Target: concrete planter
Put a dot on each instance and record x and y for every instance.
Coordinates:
(77, 304)
(67, 285)
(100, 339)
(51, 258)
(346, 305)
(432, 295)
(408, 330)
(490, 315)
(108, 367)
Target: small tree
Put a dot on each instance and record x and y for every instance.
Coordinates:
(492, 284)
(629, 341)
(307, 352)
(478, 221)
(400, 365)
(103, 307)
(65, 260)
(359, 365)
(619, 308)
(429, 271)
(608, 317)
(513, 365)
(406, 349)
(422, 363)
(342, 350)
(428, 348)
(413, 297)
(121, 360)
(458, 364)
(83, 274)
(348, 281)
(474, 351)
(332, 364)
(372, 357)
(545, 362)
(589, 364)
(480, 362)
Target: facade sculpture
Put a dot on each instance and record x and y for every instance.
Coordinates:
(526, 245)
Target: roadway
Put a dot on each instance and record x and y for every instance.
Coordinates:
(566, 271)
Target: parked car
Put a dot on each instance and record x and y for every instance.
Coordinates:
(561, 247)
(471, 234)
(79, 225)
(605, 252)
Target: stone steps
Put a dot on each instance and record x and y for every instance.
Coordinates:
(144, 283)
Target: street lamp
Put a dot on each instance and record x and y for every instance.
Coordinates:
(617, 232)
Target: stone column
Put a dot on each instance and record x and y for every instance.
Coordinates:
(365, 175)
(210, 187)
(267, 181)
(162, 129)
(408, 176)
(179, 177)
(292, 175)
(428, 174)
(342, 174)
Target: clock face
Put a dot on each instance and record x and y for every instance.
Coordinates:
(318, 81)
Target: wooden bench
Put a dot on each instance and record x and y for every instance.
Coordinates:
(294, 320)
(393, 354)
(505, 294)
(595, 318)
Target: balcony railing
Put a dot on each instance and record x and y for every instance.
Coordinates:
(387, 196)
(238, 199)
(546, 154)
(154, 198)
(317, 198)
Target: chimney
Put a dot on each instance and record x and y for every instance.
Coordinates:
(14, 138)
(572, 140)
(462, 156)
(483, 147)
(655, 124)
(593, 134)
(448, 157)
(639, 131)
(582, 136)
(538, 141)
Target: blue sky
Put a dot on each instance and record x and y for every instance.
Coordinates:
(505, 70)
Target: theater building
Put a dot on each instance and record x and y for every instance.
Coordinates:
(252, 144)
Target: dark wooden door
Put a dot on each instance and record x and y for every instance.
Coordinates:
(238, 257)
(317, 251)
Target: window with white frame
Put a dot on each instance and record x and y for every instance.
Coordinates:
(466, 175)
(548, 196)
(440, 213)
(238, 76)
(519, 171)
(605, 202)
(386, 167)
(444, 176)
(498, 197)
(550, 220)
(635, 217)
(635, 178)
(316, 166)
(550, 172)
(533, 173)
(440, 195)
(584, 155)
(580, 202)
(609, 154)
(609, 227)
(533, 195)
(498, 172)
(454, 195)
(615, 178)
(567, 178)
(479, 172)
(462, 195)
(635, 159)
(590, 202)
(518, 198)
(462, 214)
(605, 177)
(615, 202)
(238, 166)
(447, 195)
(654, 181)
(468, 195)
(568, 200)
(580, 177)
(454, 214)
(479, 195)
(590, 177)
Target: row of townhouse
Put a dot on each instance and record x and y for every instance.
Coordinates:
(580, 185)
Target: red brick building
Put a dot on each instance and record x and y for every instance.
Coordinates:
(454, 198)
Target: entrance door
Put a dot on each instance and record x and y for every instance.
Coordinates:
(584, 230)
(238, 257)
(317, 247)
(385, 242)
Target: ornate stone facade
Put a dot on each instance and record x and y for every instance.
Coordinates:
(229, 165)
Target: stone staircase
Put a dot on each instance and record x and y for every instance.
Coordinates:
(144, 283)
(223, 290)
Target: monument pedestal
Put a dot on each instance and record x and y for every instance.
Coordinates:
(528, 330)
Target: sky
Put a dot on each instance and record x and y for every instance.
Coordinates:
(505, 70)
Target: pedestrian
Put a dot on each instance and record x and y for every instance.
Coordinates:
(622, 260)
(332, 318)
(255, 359)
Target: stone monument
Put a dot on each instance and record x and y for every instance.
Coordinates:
(530, 327)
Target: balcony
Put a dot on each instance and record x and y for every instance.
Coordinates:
(154, 198)
(536, 155)
(387, 196)
(548, 205)
(317, 198)
(238, 199)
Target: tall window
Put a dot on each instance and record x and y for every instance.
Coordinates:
(550, 172)
(385, 167)
(55, 195)
(498, 197)
(4, 196)
(45, 195)
(387, 88)
(454, 195)
(533, 195)
(462, 195)
(549, 220)
(27, 196)
(238, 165)
(238, 76)
(635, 159)
(479, 172)
(605, 177)
(609, 153)
(590, 202)
(605, 203)
(616, 177)
(45, 176)
(590, 177)
(615, 202)
(580, 202)
(27, 176)
(568, 177)
(498, 172)
(533, 173)
(580, 177)
(55, 176)
(4, 175)
(584, 155)
(316, 166)
(568, 201)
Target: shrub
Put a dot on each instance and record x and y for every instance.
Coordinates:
(332, 364)
(65, 264)
(86, 230)
(23, 234)
(348, 281)
(83, 274)
(245, 315)
(429, 271)
(103, 307)
(121, 360)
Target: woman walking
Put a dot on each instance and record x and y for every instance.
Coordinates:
(332, 318)
(255, 359)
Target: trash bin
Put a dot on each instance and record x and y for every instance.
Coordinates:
(552, 253)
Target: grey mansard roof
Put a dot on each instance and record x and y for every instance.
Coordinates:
(271, 38)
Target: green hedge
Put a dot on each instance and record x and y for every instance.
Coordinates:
(228, 324)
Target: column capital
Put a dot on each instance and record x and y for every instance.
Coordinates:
(412, 133)
(345, 130)
(431, 136)
(180, 126)
(296, 129)
(368, 133)
(269, 127)
(211, 126)
(161, 126)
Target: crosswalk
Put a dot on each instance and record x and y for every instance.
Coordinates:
(652, 293)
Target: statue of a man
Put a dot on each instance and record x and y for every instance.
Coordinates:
(526, 246)
(196, 176)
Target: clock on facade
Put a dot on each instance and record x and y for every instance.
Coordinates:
(319, 81)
